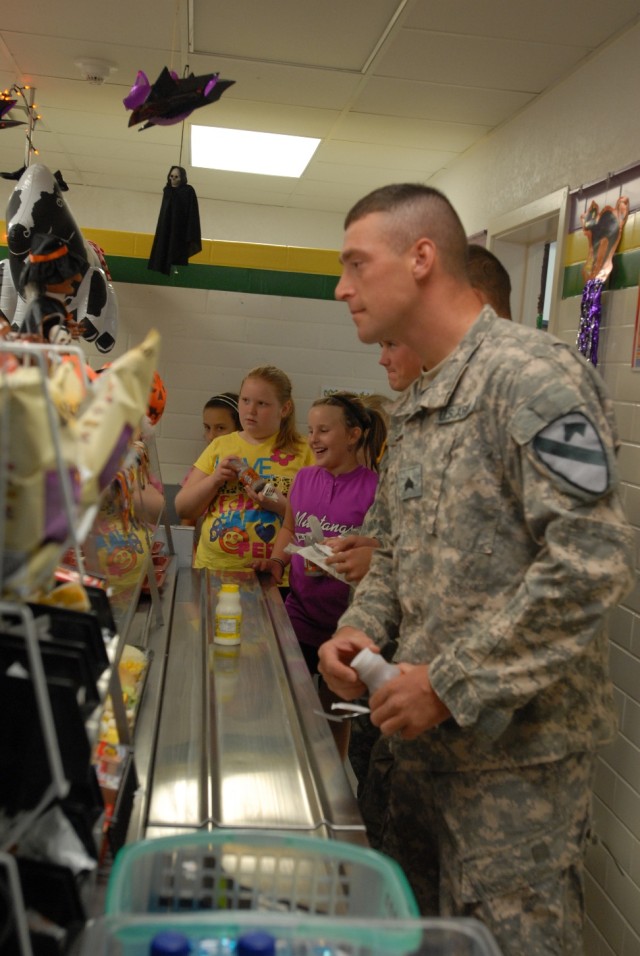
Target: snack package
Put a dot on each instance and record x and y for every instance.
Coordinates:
(317, 553)
(71, 594)
(34, 504)
(41, 442)
(120, 396)
(132, 669)
(69, 385)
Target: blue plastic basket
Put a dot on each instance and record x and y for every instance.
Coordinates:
(260, 870)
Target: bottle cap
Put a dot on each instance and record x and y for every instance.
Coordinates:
(372, 669)
(256, 943)
(362, 658)
(170, 944)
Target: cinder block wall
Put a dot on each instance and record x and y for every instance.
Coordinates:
(613, 876)
(211, 339)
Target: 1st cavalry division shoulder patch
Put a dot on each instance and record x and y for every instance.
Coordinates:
(571, 448)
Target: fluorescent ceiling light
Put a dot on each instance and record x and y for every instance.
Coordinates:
(244, 151)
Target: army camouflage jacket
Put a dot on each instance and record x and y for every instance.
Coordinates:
(504, 544)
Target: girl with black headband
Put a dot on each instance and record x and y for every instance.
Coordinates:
(220, 416)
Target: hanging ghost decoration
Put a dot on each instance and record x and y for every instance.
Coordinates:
(50, 261)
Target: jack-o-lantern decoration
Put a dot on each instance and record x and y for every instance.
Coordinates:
(157, 396)
(157, 399)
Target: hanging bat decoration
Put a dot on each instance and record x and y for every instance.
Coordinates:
(6, 105)
(171, 99)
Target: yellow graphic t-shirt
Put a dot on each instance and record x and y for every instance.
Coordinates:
(235, 531)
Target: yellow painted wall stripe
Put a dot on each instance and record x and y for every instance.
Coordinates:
(577, 247)
(217, 252)
(298, 259)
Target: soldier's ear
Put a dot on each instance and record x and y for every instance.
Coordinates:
(423, 253)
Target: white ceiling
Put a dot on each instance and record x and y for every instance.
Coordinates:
(395, 89)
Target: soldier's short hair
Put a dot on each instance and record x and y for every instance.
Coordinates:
(489, 276)
(417, 210)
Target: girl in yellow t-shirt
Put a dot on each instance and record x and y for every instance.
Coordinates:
(241, 526)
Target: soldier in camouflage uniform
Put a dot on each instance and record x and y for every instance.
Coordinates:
(503, 545)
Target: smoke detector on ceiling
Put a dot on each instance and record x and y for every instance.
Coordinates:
(95, 71)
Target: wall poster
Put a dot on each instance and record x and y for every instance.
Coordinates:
(635, 354)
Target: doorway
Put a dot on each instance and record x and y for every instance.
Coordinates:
(530, 244)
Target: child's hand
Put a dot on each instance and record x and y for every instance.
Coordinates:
(269, 566)
(268, 502)
(225, 471)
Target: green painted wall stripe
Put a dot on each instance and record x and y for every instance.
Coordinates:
(222, 278)
(226, 279)
(218, 252)
(625, 273)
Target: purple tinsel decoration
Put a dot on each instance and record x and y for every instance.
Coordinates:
(590, 313)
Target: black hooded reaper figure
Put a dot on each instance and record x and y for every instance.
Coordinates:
(177, 236)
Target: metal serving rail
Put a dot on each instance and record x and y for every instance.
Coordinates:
(238, 742)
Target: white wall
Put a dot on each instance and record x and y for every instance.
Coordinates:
(101, 208)
(575, 134)
(234, 222)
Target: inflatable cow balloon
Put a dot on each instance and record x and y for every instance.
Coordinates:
(55, 284)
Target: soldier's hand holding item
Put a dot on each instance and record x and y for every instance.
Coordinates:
(352, 555)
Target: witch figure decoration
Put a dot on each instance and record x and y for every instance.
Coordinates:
(603, 229)
(177, 236)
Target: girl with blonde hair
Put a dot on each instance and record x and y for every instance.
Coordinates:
(241, 525)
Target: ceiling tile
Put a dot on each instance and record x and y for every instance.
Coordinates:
(435, 101)
(333, 34)
(413, 133)
(483, 62)
(579, 22)
(340, 151)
